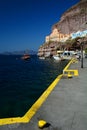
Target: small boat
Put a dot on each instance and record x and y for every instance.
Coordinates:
(25, 57)
(42, 57)
(58, 56)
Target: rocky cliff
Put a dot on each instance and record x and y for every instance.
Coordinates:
(73, 20)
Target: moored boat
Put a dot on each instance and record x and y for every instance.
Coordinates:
(42, 57)
(58, 56)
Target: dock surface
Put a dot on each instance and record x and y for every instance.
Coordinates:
(66, 106)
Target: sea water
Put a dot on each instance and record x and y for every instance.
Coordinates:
(23, 81)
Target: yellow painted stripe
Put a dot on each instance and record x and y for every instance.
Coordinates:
(67, 71)
(26, 118)
(43, 97)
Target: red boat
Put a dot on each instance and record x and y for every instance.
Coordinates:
(25, 57)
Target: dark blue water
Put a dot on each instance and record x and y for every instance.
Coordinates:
(22, 82)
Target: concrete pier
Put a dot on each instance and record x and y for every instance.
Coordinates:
(65, 108)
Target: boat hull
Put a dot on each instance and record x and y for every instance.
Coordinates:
(57, 58)
(25, 57)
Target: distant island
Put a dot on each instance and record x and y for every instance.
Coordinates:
(31, 52)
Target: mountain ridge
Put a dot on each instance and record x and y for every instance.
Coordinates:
(31, 52)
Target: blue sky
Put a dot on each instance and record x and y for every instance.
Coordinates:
(25, 23)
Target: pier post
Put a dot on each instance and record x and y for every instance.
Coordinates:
(82, 43)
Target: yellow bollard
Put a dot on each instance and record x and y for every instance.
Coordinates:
(41, 123)
(69, 76)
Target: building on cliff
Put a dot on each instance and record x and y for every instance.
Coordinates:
(72, 24)
(56, 35)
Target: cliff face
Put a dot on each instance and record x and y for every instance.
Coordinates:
(73, 20)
